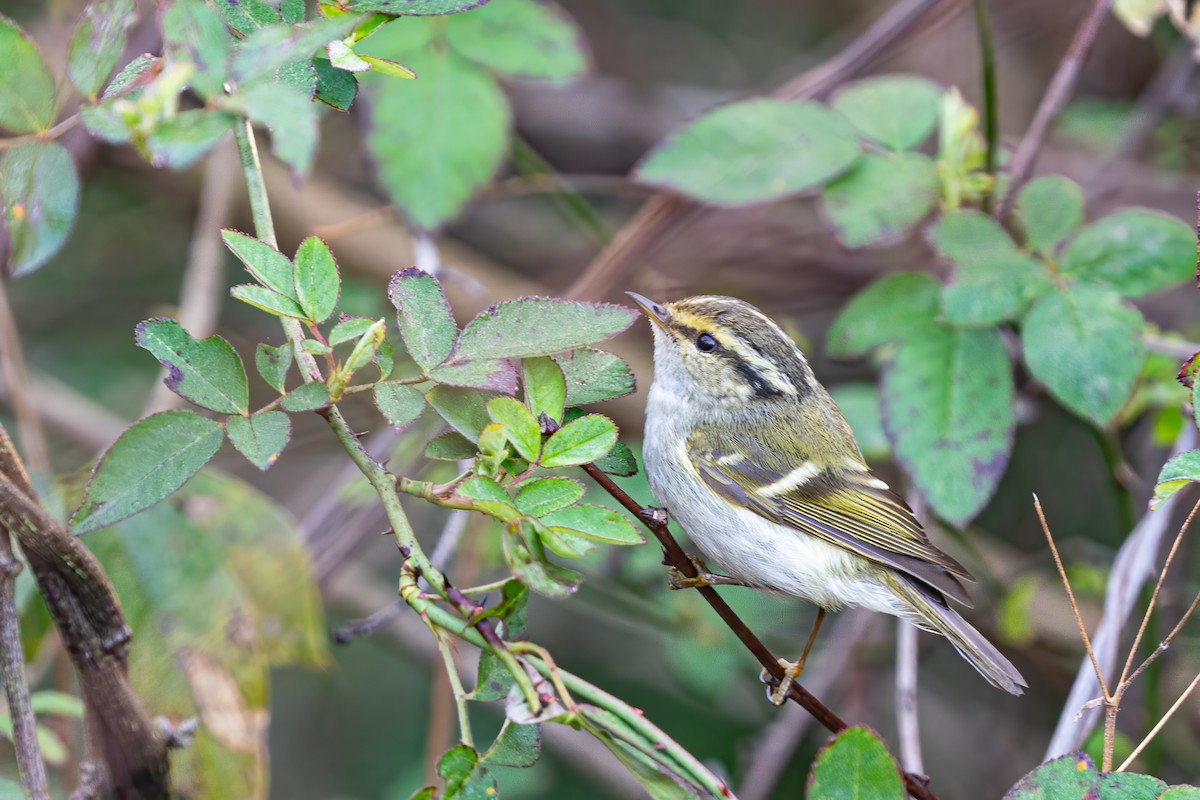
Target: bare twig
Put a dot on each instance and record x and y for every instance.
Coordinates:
(30, 765)
(773, 752)
(202, 290)
(665, 214)
(1134, 565)
(16, 379)
(908, 722)
(1162, 576)
(1158, 727)
(1056, 97)
(655, 521)
(1062, 573)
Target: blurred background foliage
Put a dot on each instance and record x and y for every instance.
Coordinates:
(370, 718)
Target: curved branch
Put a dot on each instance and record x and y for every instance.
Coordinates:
(655, 520)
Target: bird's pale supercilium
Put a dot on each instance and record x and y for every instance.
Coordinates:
(751, 455)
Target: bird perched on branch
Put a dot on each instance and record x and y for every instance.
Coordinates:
(753, 458)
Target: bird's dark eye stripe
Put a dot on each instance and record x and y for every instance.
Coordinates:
(705, 343)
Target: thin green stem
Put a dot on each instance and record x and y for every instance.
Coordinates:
(381, 480)
(1114, 458)
(663, 744)
(991, 120)
(460, 695)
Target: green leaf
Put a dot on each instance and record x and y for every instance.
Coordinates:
(580, 442)
(515, 746)
(881, 198)
(661, 776)
(267, 300)
(412, 8)
(423, 316)
(947, 403)
(888, 309)
(273, 364)
(207, 372)
(364, 349)
(1176, 474)
(438, 140)
(859, 403)
(261, 54)
(40, 191)
(896, 111)
(1136, 251)
(594, 375)
(538, 326)
(521, 38)
(545, 495)
(58, 704)
(184, 570)
(1049, 208)
(194, 32)
(549, 580)
(465, 778)
(994, 290)
(178, 142)
(752, 152)
(451, 446)
(97, 44)
(26, 86)
(247, 16)
(390, 68)
(336, 88)
(269, 267)
(594, 522)
(496, 374)
(462, 408)
(399, 404)
(856, 764)
(132, 75)
(349, 329)
(306, 397)
(520, 426)
(971, 236)
(261, 437)
(1176, 793)
(489, 497)
(152, 459)
(619, 461)
(1072, 775)
(1131, 786)
(1084, 344)
(287, 112)
(545, 388)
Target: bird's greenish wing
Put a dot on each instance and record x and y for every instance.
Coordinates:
(841, 504)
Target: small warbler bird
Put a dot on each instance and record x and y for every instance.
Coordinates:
(754, 459)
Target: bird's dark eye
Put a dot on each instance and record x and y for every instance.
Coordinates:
(705, 343)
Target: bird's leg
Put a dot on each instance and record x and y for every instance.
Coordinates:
(703, 578)
(793, 670)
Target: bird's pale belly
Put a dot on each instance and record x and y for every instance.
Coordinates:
(755, 550)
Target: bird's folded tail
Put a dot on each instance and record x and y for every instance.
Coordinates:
(935, 615)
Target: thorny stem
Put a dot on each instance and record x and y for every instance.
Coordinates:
(380, 479)
(655, 522)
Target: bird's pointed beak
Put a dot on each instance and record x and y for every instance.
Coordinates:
(657, 312)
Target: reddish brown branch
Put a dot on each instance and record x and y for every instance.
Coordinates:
(655, 520)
